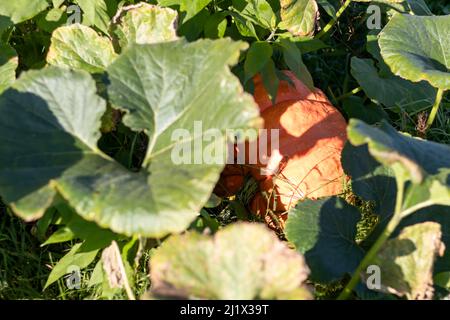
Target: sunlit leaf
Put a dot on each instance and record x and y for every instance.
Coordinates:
(415, 55)
(242, 261)
(406, 262)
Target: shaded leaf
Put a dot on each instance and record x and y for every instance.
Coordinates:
(8, 65)
(406, 262)
(144, 24)
(191, 7)
(293, 58)
(324, 231)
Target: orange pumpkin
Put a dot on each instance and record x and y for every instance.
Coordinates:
(312, 134)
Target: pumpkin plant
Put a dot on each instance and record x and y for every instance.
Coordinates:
(97, 97)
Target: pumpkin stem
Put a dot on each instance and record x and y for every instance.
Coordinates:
(333, 21)
(437, 103)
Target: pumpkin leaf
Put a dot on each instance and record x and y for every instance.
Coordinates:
(8, 65)
(293, 58)
(370, 179)
(63, 129)
(418, 56)
(73, 258)
(324, 232)
(257, 12)
(193, 265)
(80, 48)
(443, 280)
(145, 24)
(298, 16)
(22, 10)
(392, 91)
(419, 158)
(216, 25)
(5, 23)
(426, 164)
(95, 13)
(258, 56)
(52, 19)
(437, 214)
(401, 274)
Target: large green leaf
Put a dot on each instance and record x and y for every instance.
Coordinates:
(21, 10)
(406, 262)
(324, 231)
(258, 56)
(426, 164)
(145, 24)
(49, 138)
(299, 16)
(8, 65)
(73, 259)
(95, 13)
(174, 92)
(370, 180)
(418, 7)
(243, 261)
(418, 48)
(418, 157)
(392, 91)
(80, 48)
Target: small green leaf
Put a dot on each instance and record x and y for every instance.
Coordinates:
(96, 275)
(216, 25)
(270, 79)
(324, 231)
(80, 48)
(299, 16)
(242, 261)
(258, 56)
(73, 258)
(95, 13)
(8, 65)
(145, 24)
(418, 56)
(443, 280)
(61, 235)
(293, 58)
(22, 10)
(158, 88)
